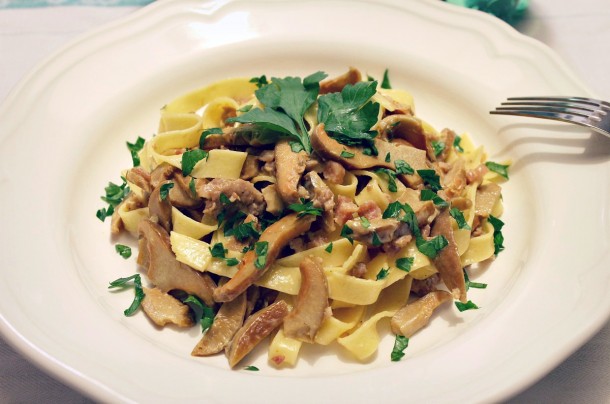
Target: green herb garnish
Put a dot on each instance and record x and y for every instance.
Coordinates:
(500, 169)
(385, 83)
(202, 314)
(251, 368)
(134, 149)
(259, 81)
(383, 273)
(305, 208)
(456, 144)
(347, 232)
(400, 344)
(114, 195)
(402, 167)
(470, 284)
(190, 158)
(392, 187)
(365, 222)
(164, 190)
(498, 237)
(261, 248)
(469, 305)
(388, 158)
(139, 292)
(405, 264)
(123, 250)
(346, 154)
(438, 147)
(431, 248)
(459, 218)
(431, 178)
(428, 195)
(206, 133)
(329, 248)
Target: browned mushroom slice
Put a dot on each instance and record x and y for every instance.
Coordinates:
(424, 210)
(258, 326)
(336, 84)
(161, 209)
(164, 309)
(181, 195)
(414, 316)
(274, 202)
(161, 173)
(454, 181)
(239, 191)
(277, 236)
(131, 202)
(329, 148)
(289, 167)
(448, 260)
(164, 270)
(139, 177)
(487, 196)
(306, 318)
(227, 321)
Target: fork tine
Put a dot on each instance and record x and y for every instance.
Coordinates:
(576, 101)
(582, 112)
(545, 114)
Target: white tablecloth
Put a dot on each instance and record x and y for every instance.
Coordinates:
(579, 31)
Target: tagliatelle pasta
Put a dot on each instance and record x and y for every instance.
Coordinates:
(305, 211)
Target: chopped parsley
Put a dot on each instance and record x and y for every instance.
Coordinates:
(164, 190)
(259, 81)
(286, 100)
(391, 178)
(456, 144)
(245, 108)
(404, 264)
(251, 368)
(438, 147)
(190, 158)
(376, 242)
(305, 208)
(402, 167)
(400, 344)
(428, 195)
(469, 305)
(139, 292)
(383, 273)
(114, 195)
(388, 158)
(393, 210)
(329, 248)
(261, 249)
(347, 232)
(123, 250)
(432, 247)
(346, 154)
(365, 222)
(206, 133)
(500, 169)
(202, 314)
(349, 115)
(470, 284)
(431, 178)
(459, 218)
(385, 83)
(134, 149)
(498, 237)
(219, 251)
(192, 187)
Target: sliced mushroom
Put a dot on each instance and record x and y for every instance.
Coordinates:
(424, 210)
(239, 191)
(414, 316)
(164, 309)
(160, 209)
(131, 202)
(336, 84)
(333, 172)
(305, 319)
(139, 177)
(274, 202)
(454, 181)
(258, 326)
(164, 270)
(228, 320)
(329, 148)
(289, 167)
(278, 235)
(181, 195)
(447, 260)
(161, 173)
(486, 198)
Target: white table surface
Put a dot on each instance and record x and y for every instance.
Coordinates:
(579, 31)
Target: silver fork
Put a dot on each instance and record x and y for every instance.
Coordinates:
(594, 114)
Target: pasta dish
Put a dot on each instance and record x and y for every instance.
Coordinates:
(307, 210)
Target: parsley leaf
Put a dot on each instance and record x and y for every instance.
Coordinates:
(402, 167)
(251, 368)
(404, 264)
(259, 81)
(388, 158)
(202, 314)
(305, 208)
(164, 190)
(190, 158)
(498, 237)
(393, 210)
(376, 241)
(346, 232)
(428, 195)
(123, 250)
(231, 262)
(429, 176)
(438, 147)
(475, 285)
(499, 169)
(469, 305)
(329, 248)
(459, 218)
(391, 178)
(134, 148)
(456, 144)
(385, 83)
(206, 133)
(348, 116)
(114, 195)
(346, 154)
(383, 273)
(261, 248)
(431, 248)
(218, 250)
(400, 344)
(139, 292)
(192, 187)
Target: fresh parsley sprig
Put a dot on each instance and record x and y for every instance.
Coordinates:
(134, 149)
(202, 314)
(400, 344)
(139, 291)
(305, 208)
(114, 195)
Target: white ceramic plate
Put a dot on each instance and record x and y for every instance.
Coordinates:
(63, 133)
